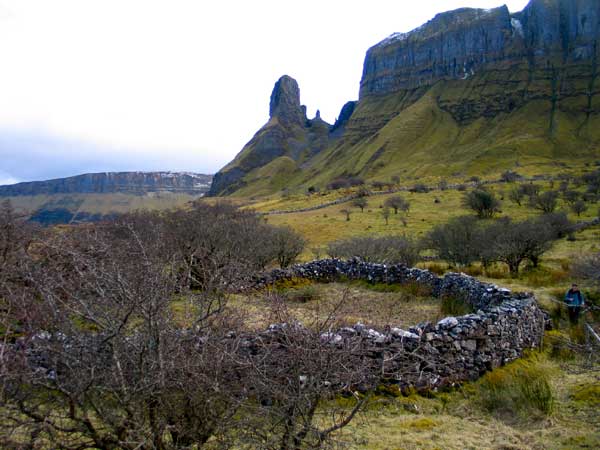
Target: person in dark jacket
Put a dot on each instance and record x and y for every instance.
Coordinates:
(575, 301)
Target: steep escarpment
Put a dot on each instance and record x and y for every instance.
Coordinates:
(114, 182)
(453, 44)
(472, 91)
(499, 61)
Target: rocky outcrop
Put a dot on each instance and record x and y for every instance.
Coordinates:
(288, 133)
(344, 117)
(114, 182)
(285, 102)
(548, 51)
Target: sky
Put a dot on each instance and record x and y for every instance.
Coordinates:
(180, 85)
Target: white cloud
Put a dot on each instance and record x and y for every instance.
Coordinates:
(7, 179)
(185, 81)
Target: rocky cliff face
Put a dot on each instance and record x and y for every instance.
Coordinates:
(460, 44)
(114, 182)
(547, 51)
(288, 136)
(453, 44)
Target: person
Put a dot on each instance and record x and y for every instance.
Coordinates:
(575, 301)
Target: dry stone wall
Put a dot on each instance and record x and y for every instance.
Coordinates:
(427, 355)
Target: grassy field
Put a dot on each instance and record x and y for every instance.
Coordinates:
(325, 225)
(465, 418)
(468, 417)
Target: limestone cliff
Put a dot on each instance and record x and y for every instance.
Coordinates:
(547, 51)
(114, 182)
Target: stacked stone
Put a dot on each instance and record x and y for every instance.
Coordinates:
(429, 356)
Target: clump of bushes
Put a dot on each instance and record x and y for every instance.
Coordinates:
(419, 188)
(386, 249)
(345, 182)
(483, 202)
(464, 240)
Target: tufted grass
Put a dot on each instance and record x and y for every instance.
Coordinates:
(530, 404)
(522, 387)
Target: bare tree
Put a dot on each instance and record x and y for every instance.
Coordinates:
(347, 213)
(530, 189)
(514, 242)
(516, 195)
(384, 249)
(546, 201)
(385, 213)
(287, 244)
(360, 202)
(397, 203)
(579, 207)
(457, 241)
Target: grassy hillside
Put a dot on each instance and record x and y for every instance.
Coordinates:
(422, 134)
(324, 225)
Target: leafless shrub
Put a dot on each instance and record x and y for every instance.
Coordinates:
(106, 365)
(301, 371)
(546, 201)
(386, 249)
(588, 268)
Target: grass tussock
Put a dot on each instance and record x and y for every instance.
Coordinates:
(522, 387)
(291, 283)
(474, 270)
(587, 394)
(436, 267)
(542, 277)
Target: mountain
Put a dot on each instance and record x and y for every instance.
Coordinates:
(95, 196)
(472, 91)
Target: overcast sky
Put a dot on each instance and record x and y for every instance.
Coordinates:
(116, 85)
